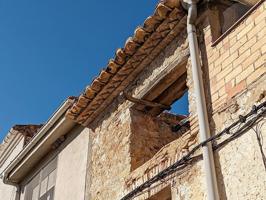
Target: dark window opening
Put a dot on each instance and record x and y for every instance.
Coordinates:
(224, 15)
(152, 125)
(170, 90)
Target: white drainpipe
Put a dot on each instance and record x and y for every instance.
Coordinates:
(204, 130)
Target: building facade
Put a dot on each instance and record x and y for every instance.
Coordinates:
(118, 141)
(51, 165)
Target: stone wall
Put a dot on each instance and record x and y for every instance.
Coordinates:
(148, 135)
(114, 137)
(234, 80)
(110, 157)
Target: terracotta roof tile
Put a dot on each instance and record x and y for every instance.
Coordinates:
(147, 42)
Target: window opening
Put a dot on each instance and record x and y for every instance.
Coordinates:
(224, 14)
(42, 185)
(153, 124)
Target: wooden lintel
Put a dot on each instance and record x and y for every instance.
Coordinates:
(145, 102)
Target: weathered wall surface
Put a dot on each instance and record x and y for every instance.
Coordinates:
(238, 60)
(72, 165)
(8, 191)
(240, 167)
(148, 135)
(111, 156)
(234, 72)
(236, 69)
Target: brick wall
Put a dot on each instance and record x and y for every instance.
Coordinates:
(236, 71)
(239, 59)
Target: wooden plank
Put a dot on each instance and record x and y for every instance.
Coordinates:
(174, 92)
(146, 103)
(167, 79)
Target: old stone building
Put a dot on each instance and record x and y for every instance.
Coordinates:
(118, 141)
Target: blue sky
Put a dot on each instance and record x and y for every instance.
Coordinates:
(52, 49)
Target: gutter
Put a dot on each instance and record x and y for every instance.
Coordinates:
(35, 140)
(204, 129)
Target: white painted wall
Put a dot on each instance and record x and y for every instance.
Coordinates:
(70, 172)
(71, 168)
(8, 192)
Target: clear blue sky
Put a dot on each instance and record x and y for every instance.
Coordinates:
(52, 49)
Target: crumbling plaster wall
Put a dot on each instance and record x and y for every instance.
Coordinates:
(240, 169)
(113, 139)
(229, 68)
(148, 135)
(235, 79)
(187, 183)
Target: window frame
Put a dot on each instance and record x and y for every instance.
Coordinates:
(45, 172)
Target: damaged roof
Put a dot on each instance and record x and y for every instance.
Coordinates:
(157, 31)
(27, 131)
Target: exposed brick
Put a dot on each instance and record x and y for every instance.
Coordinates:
(224, 72)
(232, 41)
(238, 44)
(242, 57)
(261, 62)
(256, 74)
(208, 39)
(254, 31)
(244, 74)
(237, 89)
(263, 49)
(244, 31)
(215, 71)
(258, 45)
(222, 57)
(230, 60)
(229, 85)
(222, 91)
(261, 17)
(251, 59)
(247, 45)
(215, 96)
(235, 72)
(218, 85)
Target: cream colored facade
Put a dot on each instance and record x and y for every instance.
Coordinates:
(71, 163)
(10, 148)
(55, 167)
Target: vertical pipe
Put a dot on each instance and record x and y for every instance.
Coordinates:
(212, 189)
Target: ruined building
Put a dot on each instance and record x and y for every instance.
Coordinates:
(119, 141)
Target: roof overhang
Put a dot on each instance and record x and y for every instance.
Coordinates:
(40, 145)
(158, 30)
